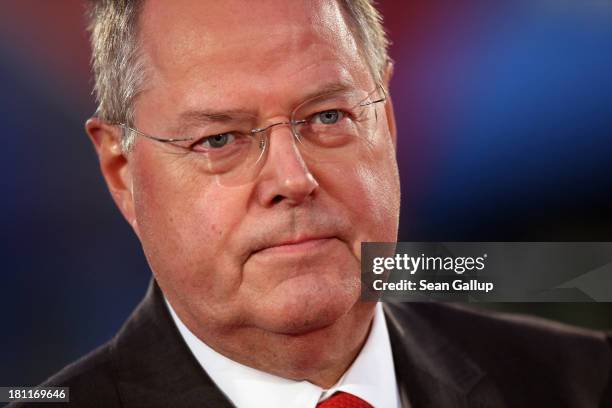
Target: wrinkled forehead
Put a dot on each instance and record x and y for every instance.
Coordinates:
(195, 43)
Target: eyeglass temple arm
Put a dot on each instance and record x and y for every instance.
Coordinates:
(131, 129)
(382, 99)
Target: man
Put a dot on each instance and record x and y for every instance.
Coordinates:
(251, 147)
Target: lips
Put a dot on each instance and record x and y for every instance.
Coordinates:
(298, 244)
(296, 232)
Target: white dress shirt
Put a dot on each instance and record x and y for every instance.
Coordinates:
(371, 377)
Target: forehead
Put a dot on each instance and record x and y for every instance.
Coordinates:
(258, 45)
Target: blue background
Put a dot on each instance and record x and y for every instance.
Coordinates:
(504, 112)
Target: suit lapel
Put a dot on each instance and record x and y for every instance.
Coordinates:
(431, 372)
(153, 365)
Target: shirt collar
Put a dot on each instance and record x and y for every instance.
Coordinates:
(371, 377)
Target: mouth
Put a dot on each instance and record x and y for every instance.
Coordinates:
(295, 246)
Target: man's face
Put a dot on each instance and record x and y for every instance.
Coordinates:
(282, 252)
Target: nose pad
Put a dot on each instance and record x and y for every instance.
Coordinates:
(285, 177)
(282, 156)
(263, 147)
(285, 157)
(280, 139)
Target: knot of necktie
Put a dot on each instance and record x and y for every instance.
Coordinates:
(343, 400)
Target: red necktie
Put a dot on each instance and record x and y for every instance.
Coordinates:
(343, 400)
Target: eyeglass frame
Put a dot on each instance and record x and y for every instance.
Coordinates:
(254, 131)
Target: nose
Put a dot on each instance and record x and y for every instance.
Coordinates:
(285, 177)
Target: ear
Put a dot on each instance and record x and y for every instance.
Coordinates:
(389, 103)
(114, 165)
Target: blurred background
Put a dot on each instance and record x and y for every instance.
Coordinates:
(504, 112)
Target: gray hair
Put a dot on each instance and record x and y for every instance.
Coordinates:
(119, 66)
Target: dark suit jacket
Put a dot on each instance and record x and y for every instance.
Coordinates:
(445, 356)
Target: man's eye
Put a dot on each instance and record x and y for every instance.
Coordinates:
(217, 141)
(328, 117)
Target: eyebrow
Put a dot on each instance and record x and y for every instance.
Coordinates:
(194, 117)
(328, 89)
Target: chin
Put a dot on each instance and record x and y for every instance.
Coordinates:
(306, 304)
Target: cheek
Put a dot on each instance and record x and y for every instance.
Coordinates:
(185, 223)
(369, 189)
(380, 176)
(378, 204)
(380, 201)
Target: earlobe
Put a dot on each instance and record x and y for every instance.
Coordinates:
(114, 166)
